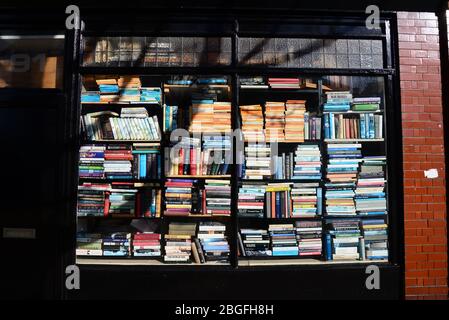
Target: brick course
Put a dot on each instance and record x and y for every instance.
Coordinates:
(423, 149)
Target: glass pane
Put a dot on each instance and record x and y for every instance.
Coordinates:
(31, 61)
(311, 53)
(157, 51)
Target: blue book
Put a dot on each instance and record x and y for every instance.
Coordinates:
(142, 166)
(319, 199)
(371, 126)
(327, 132)
(328, 243)
(366, 126)
(362, 126)
(332, 125)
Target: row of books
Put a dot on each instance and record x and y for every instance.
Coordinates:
(131, 125)
(353, 126)
(343, 101)
(304, 238)
(117, 200)
(357, 240)
(209, 244)
(184, 197)
(191, 156)
(259, 82)
(198, 81)
(279, 200)
(303, 164)
(120, 161)
(122, 89)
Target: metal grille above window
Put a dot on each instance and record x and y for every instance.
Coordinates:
(311, 53)
(157, 51)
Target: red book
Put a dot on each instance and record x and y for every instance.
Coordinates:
(192, 161)
(147, 236)
(180, 165)
(204, 201)
(106, 204)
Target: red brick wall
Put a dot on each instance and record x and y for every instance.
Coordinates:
(423, 149)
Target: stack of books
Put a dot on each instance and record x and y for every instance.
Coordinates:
(337, 101)
(117, 244)
(294, 120)
(91, 164)
(283, 240)
(353, 126)
(366, 104)
(309, 235)
(93, 200)
(274, 121)
(370, 194)
(251, 200)
(117, 163)
(178, 197)
(122, 202)
(254, 242)
(253, 83)
(146, 244)
(147, 161)
(375, 239)
(284, 83)
(306, 200)
(278, 201)
(213, 241)
(129, 88)
(178, 242)
(210, 117)
(341, 178)
(342, 240)
(257, 161)
(217, 197)
(312, 126)
(151, 94)
(89, 244)
(307, 162)
(252, 123)
(108, 89)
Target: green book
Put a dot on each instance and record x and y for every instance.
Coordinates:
(365, 107)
